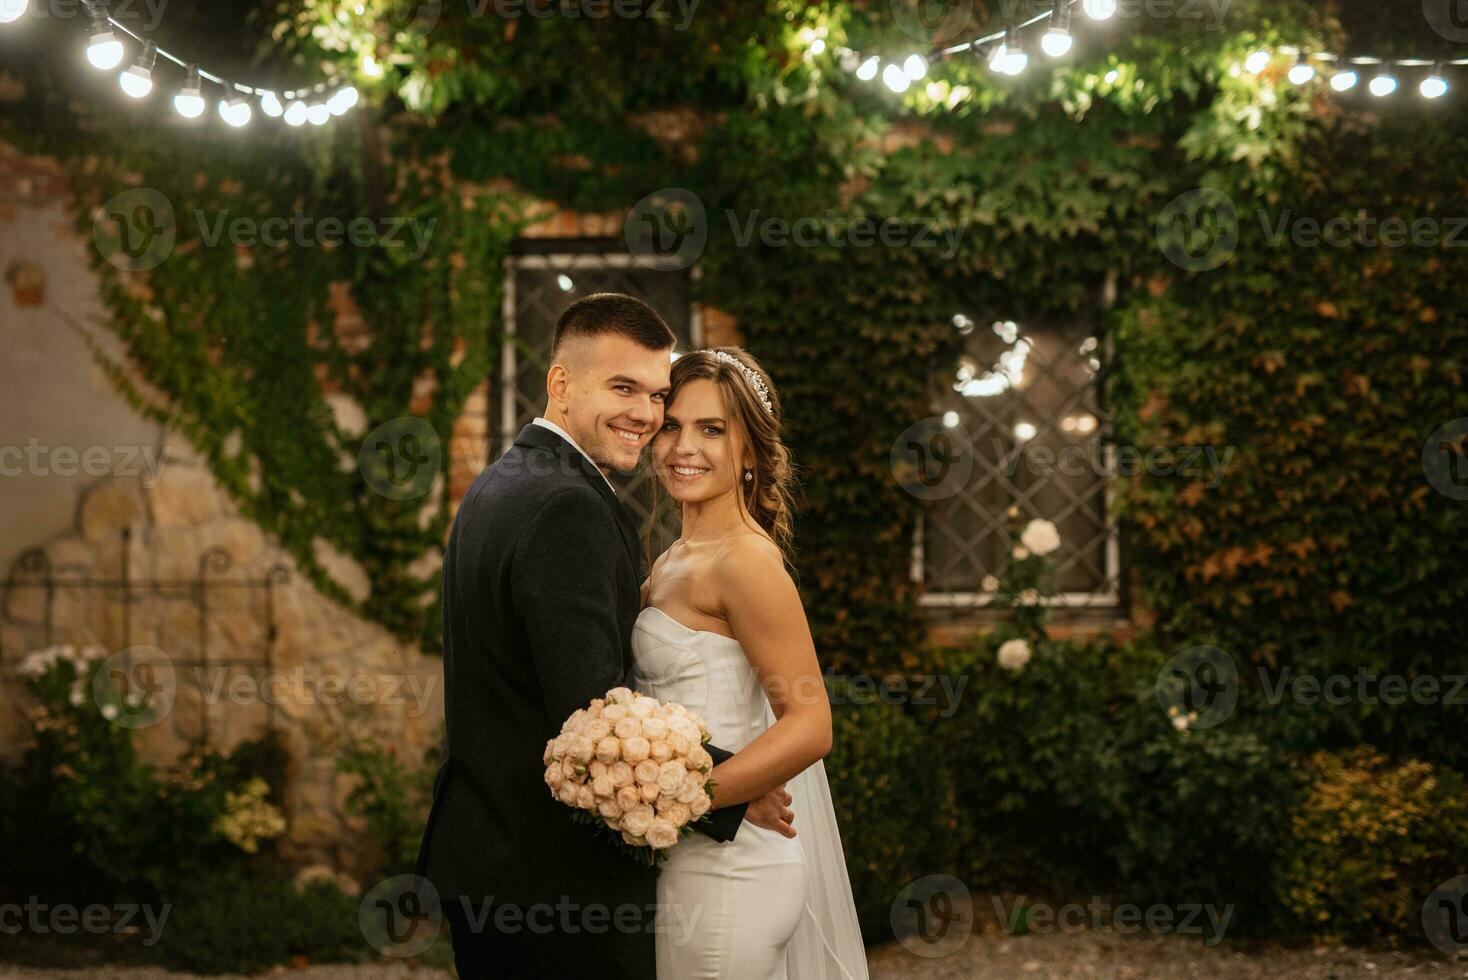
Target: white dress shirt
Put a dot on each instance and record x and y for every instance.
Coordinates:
(547, 423)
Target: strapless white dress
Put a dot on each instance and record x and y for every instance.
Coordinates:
(762, 906)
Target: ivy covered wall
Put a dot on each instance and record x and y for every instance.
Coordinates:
(1317, 365)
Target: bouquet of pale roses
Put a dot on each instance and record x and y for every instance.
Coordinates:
(635, 766)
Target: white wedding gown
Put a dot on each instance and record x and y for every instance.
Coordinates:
(762, 906)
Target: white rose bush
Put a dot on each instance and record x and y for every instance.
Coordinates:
(634, 766)
(1027, 581)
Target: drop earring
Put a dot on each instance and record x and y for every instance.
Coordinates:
(749, 476)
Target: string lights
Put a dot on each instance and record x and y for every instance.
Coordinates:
(1005, 50)
(1006, 55)
(106, 51)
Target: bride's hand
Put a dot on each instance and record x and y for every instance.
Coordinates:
(772, 812)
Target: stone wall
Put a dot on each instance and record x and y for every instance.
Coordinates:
(332, 677)
(90, 467)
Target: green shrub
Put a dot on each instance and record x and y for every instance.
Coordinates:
(1196, 817)
(894, 801)
(1026, 746)
(1368, 843)
(392, 798)
(1071, 779)
(234, 923)
(97, 823)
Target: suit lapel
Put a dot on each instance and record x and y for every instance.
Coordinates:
(539, 437)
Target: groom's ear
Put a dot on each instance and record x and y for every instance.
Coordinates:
(558, 385)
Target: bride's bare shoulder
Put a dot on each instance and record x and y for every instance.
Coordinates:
(748, 555)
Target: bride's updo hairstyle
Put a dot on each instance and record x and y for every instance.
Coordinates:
(754, 409)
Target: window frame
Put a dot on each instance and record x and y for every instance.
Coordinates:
(1109, 597)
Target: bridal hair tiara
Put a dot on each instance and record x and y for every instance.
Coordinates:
(752, 377)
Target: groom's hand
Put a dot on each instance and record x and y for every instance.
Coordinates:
(772, 812)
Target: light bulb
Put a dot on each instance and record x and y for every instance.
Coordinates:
(370, 66)
(137, 81)
(1342, 81)
(1256, 62)
(11, 10)
(915, 67)
(318, 114)
(104, 50)
(270, 105)
(1009, 58)
(896, 79)
(189, 102)
(868, 69)
(1056, 42)
(1383, 85)
(1434, 86)
(1301, 73)
(342, 100)
(1099, 9)
(235, 111)
(296, 114)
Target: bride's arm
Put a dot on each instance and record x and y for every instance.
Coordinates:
(761, 603)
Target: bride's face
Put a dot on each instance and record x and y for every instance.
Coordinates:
(694, 453)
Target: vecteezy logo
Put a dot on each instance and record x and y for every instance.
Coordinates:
(1445, 916)
(136, 687)
(135, 230)
(932, 460)
(933, 916)
(1445, 459)
(400, 458)
(931, 21)
(401, 916)
(413, 20)
(667, 229)
(1198, 230)
(1448, 17)
(1198, 687)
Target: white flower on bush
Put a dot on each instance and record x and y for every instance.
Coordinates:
(1040, 537)
(1028, 597)
(990, 584)
(1013, 654)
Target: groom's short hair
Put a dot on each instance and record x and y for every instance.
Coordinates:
(618, 313)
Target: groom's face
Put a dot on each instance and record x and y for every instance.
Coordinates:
(612, 397)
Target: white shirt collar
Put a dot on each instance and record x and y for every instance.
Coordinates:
(547, 423)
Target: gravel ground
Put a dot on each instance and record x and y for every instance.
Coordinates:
(391, 971)
(1111, 956)
(1057, 956)
(988, 955)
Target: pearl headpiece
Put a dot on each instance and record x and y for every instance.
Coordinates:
(751, 376)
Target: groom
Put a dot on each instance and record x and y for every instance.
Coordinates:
(542, 584)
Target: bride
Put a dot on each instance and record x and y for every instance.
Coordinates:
(723, 632)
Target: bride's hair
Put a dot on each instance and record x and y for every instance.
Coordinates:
(767, 496)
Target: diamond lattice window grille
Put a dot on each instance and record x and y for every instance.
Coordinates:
(1027, 400)
(538, 289)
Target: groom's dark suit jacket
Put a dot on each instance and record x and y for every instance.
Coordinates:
(542, 584)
